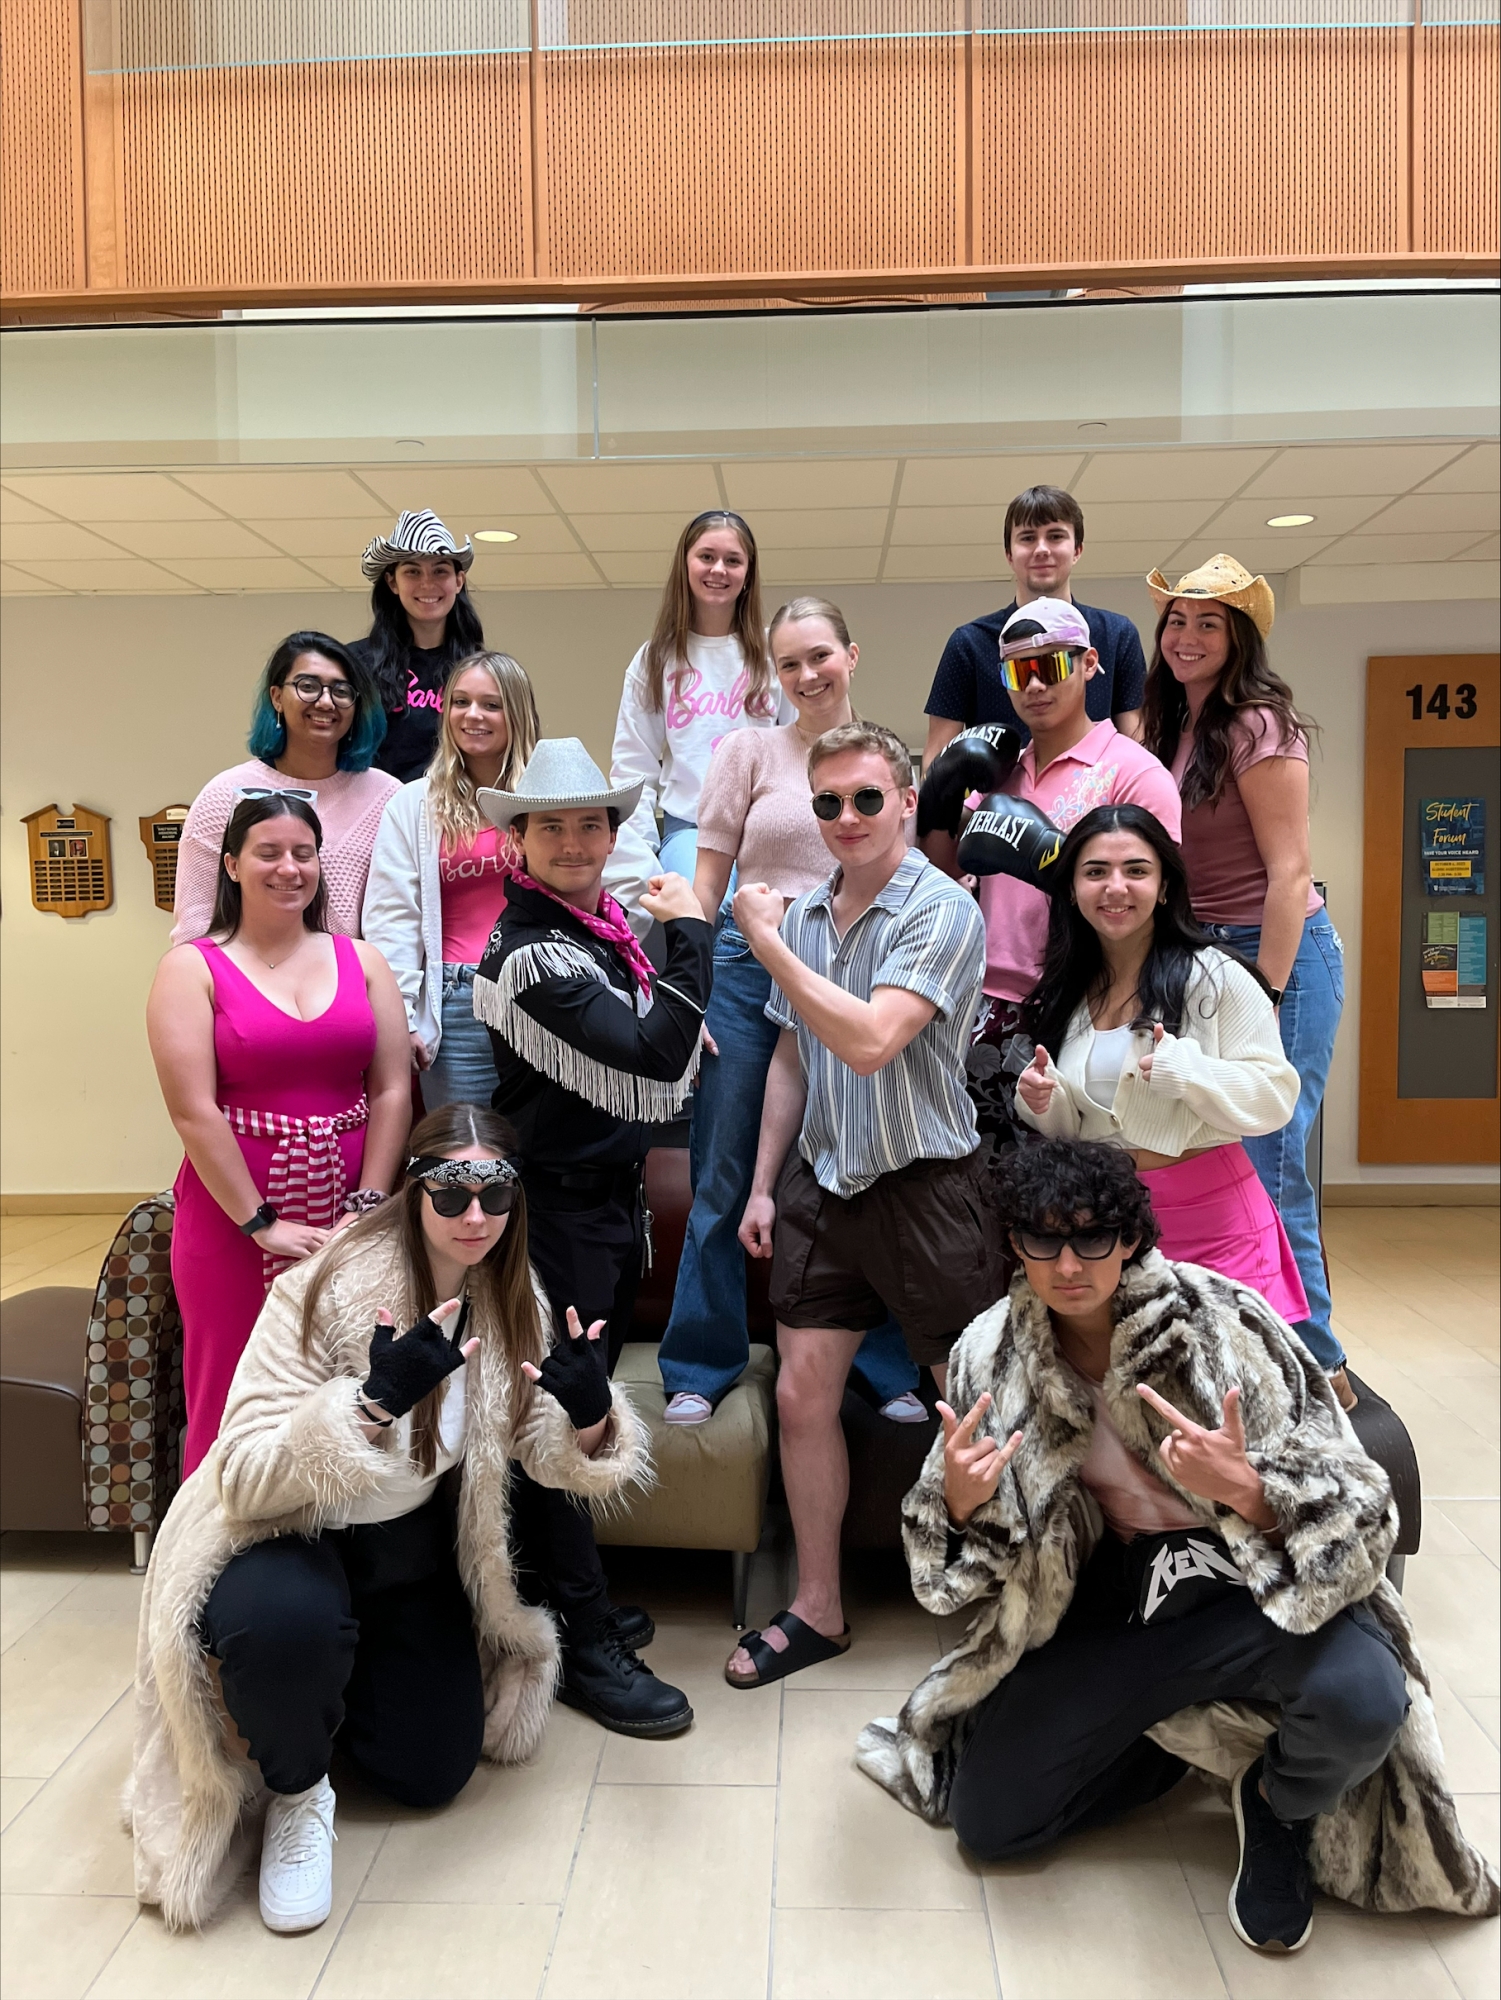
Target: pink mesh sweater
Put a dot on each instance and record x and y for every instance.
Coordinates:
(349, 806)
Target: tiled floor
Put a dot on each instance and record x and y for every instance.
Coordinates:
(750, 1857)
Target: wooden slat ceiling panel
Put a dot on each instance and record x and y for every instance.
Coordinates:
(1461, 190)
(41, 214)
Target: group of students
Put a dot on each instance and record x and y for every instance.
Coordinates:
(979, 1082)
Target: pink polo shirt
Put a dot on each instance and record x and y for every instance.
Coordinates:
(1104, 768)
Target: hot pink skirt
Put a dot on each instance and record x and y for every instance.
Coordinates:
(1212, 1210)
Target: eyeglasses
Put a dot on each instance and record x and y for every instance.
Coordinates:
(1090, 1244)
(1047, 668)
(867, 801)
(310, 690)
(499, 1198)
(277, 792)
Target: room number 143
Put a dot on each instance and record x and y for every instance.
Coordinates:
(1438, 702)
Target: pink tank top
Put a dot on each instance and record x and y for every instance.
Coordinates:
(473, 896)
(270, 1060)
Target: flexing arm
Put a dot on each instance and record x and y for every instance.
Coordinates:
(388, 1081)
(781, 1120)
(591, 1018)
(1275, 794)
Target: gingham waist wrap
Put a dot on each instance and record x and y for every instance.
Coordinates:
(307, 1182)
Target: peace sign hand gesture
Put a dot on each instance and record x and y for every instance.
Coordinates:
(971, 1471)
(1212, 1464)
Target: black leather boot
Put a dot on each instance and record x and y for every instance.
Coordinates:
(632, 1625)
(603, 1677)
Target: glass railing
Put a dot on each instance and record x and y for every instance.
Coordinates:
(137, 37)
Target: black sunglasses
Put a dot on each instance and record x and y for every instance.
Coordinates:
(868, 801)
(1090, 1244)
(498, 1198)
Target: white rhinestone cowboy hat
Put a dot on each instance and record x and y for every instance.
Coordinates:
(562, 775)
(415, 534)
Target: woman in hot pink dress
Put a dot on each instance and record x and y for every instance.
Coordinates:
(282, 1054)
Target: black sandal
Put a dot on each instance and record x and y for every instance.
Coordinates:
(805, 1648)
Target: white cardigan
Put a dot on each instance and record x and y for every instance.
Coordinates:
(403, 914)
(1226, 1078)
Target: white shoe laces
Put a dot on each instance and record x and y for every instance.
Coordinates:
(297, 1837)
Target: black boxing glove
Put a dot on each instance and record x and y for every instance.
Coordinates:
(575, 1372)
(1007, 836)
(404, 1370)
(978, 760)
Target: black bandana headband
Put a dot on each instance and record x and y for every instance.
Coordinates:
(460, 1173)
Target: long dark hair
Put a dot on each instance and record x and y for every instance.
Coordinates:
(247, 815)
(667, 648)
(367, 728)
(500, 1286)
(1073, 966)
(1247, 682)
(388, 649)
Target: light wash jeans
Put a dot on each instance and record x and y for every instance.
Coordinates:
(678, 852)
(1309, 1020)
(464, 1069)
(706, 1346)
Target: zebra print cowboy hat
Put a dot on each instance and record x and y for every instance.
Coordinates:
(1225, 581)
(415, 534)
(563, 775)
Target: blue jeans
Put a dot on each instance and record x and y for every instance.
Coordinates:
(463, 1071)
(706, 1346)
(678, 852)
(1309, 1020)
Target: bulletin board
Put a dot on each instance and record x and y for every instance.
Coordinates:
(1428, 1072)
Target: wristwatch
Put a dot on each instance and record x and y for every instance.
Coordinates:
(263, 1218)
(1276, 994)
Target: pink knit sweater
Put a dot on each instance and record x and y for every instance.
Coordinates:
(349, 806)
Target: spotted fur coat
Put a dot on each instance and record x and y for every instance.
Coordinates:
(289, 1455)
(1394, 1841)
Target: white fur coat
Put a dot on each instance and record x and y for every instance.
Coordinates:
(1394, 1841)
(289, 1456)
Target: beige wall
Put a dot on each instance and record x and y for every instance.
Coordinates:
(124, 704)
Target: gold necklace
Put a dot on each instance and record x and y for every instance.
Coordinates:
(272, 963)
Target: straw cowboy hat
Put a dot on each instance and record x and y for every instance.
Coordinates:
(415, 534)
(561, 775)
(1225, 581)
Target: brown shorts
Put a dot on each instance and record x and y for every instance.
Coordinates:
(923, 1245)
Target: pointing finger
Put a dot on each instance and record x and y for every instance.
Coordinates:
(972, 1417)
(470, 1347)
(1165, 1409)
(949, 1420)
(596, 1330)
(383, 1318)
(1235, 1429)
(531, 1371)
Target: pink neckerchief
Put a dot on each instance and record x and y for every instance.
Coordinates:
(610, 925)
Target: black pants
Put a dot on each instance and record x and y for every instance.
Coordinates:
(586, 1248)
(360, 1633)
(1059, 1744)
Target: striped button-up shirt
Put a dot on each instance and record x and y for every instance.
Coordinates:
(924, 933)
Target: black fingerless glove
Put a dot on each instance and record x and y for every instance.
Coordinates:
(403, 1370)
(575, 1373)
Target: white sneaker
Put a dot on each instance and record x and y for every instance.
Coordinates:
(297, 1859)
(685, 1408)
(905, 1409)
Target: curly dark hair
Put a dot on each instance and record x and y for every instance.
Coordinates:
(1047, 1187)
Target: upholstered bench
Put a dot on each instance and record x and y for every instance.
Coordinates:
(711, 1479)
(44, 1336)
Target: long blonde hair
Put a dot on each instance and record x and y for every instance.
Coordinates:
(451, 792)
(667, 648)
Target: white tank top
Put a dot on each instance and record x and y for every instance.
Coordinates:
(1102, 1066)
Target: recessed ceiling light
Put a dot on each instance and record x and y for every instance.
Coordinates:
(1289, 520)
(494, 535)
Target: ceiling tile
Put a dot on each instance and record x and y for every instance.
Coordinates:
(818, 570)
(111, 578)
(13, 508)
(342, 571)
(296, 493)
(927, 527)
(810, 482)
(540, 572)
(948, 560)
(327, 537)
(18, 583)
(55, 541)
(1477, 470)
(632, 566)
(1165, 475)
(1349, 468)
(1483, 551)
(1336, 516)
(171, 540)
(1398, 548)
(1140, 520)
(639, 534)
(1271, 555)
(537, 534)
(244, 573)
(462, 493)
(821, 528)
(982, 482)
(1440, 513)
(1131, 559)
(621, 489)
(111, 496)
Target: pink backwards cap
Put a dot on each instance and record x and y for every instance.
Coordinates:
(1060, 625)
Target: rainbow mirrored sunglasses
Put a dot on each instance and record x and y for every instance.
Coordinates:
(1047, 668)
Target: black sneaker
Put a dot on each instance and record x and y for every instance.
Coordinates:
(605, 1679)
(1271, 1898)
(631, 1625)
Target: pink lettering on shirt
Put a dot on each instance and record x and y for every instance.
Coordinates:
(688, 699)
(420, 697)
